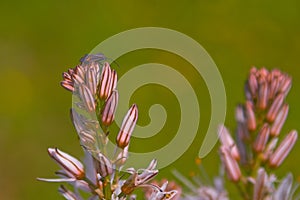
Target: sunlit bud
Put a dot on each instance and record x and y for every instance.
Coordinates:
(228, 142)
(286, 85)
(87, 97)
(262, 99)
(106, 82)
(259, 186)
(69, 164)
(262, 138)
(274, 86)
(251, 120)
(231, 165)
(69, 85)
(263, 72)
(275, 107)
(279, 120)
(104, 167)
(253, 70)
(283, 149)
(108, 113)
(91, 79)
(127, 127)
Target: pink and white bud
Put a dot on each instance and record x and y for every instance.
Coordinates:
(259, 186)
(228, 142)
(262, 99)
(279, 120)
(127, 127)
(251, 120)
(262, 138)
(87, 97)
(108, 77)
(253, 85)
(108, 114)
(69, 164)
(231, 165)
(275, 108)
(68, 85)
(284, 149)
(91, 79)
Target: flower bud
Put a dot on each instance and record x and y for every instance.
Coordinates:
(279, 120)
(107, 82)
(231, 165)
(69, 164)
(108, 113)
(275, 107)
(284, 149)
(251, 120)
(227, 141)
(127, 127)
(87, 97)
(262, 138)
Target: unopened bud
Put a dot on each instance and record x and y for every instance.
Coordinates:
(284, 149)
(127, 127)
(108, 113)
(69, 164)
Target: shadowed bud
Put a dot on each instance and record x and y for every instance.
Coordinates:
(279, 120)
(253, 85)
(251, 120)
(275, 107)
(70, 165)
(108, 113)
(262, 138)
(127, 127)
(284, 149)
(87, 97)
(239, 114)
(104, 167)
(228, 142)
(231, 165)
(91, 79)
(107, 82)
(262, 99)
(259, 186)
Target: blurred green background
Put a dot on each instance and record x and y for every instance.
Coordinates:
(41, 39)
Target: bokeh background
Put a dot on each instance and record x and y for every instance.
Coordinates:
(41, 39)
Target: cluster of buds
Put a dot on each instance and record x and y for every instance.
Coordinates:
(259, 123)
(95, 97)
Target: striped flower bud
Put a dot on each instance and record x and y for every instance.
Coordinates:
(275, 108)
(251, 120)
(262, 99)
(69, 164)
(262, 138)
(231, 165)
(108, 113)
(87, 97)
(279, 120)
(227, 141)
(284, 149)
(104, 167)
(108, 81)
(259, 186)
(127, 127)
(91, 78)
